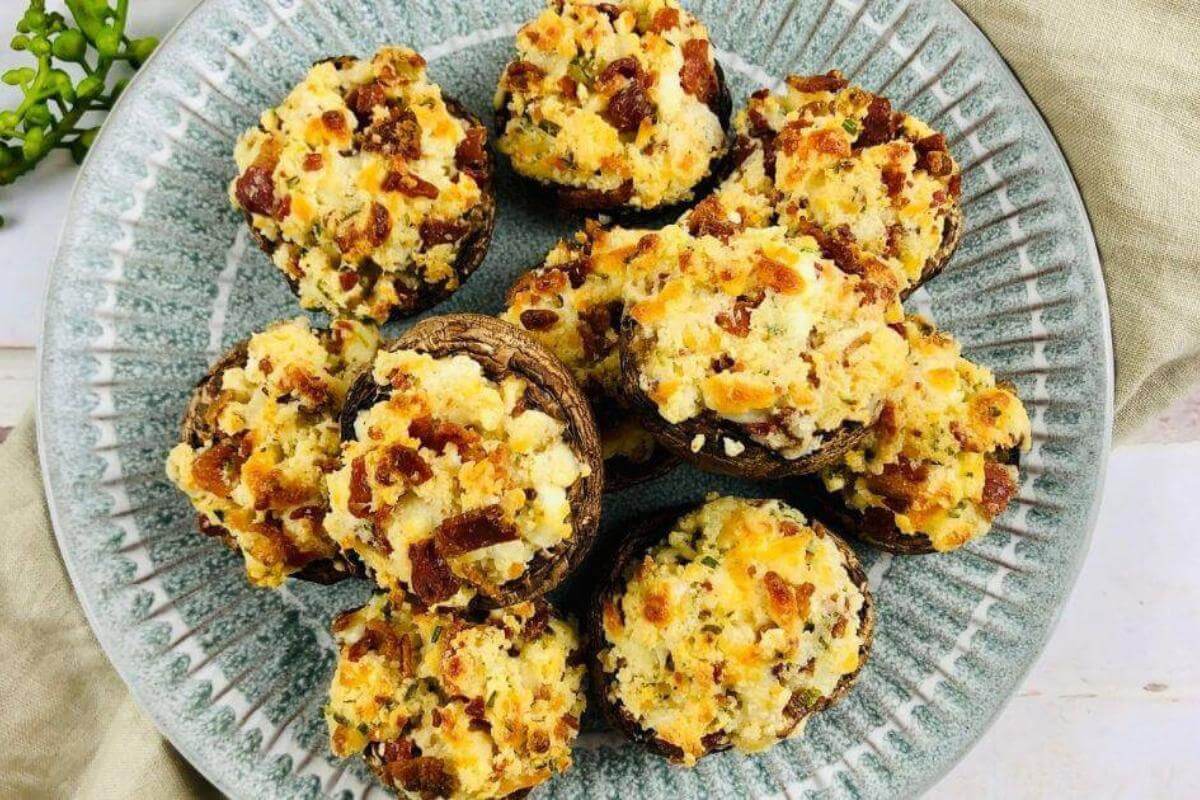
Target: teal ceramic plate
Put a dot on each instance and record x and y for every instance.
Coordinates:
(155, 276)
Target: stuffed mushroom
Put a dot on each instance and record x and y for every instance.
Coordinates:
(573, 304)
(831, 160)
(442, 706)
(471, 466)
(940, 463)
(259, 436)
(614, 105)
(370, 190)
(748, 352)
(727, 628)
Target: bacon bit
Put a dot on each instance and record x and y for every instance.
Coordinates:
(568, 86)
(309, 387)
(215, 469)
(696, 76)
(538, 319)
(437, 435)
(899, 483)
(880, 124)
(442, 231)
(936, 162)
(408, 184)
(398, 750)
(362, 102)
(664, 20)
(737, 321)
(895, 232)
(839, 628)
(893, 178)
(401, 461)
(792, 138)
(474, 530)
(471, 156)
(654, 609)
(627, 67)
(538, 623)
(828, 142)
(837, 246)
(334, 122)
(780, 598)
(379, 225)
(348, 280)
(360, 491)
(476, 708)
(522, 75)
(789, 528)
(628, 107)
(313, 162)
(829, 82)
(432, 580)
(741, 149)
(595, 325)
(722, 363)
(888, 424)
(708, 219)
(576, 271)
(998, 488)
(539, 741)
(955, 185)
(397, 135)
(255, 190)
(272, 492)
(426, 776)
(777, 276)
(938, 198)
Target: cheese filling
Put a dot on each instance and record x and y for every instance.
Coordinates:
(262, 477)
(733, 630)
(756, 327)
(613, 97)
(826, 156)
(360, 184)
(573, 305)
(453, 484)
(451, 708)
(934, 459)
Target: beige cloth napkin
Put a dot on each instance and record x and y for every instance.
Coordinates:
(68, 727)
(1120, 85)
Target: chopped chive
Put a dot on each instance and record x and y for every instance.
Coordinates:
(437, 634)
(491, 699)
(709, 561)
(850, 126)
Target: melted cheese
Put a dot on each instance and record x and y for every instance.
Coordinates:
(947, 417)
(733, 629)
(332, 186)
(823, 177)
(564, 138)
(814, 354)
(573, 305)
(497, 703)
(277, 415)
(518, 460)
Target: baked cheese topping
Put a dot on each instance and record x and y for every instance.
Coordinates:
(756, 327)
(363, 185)
(262, 477)
(733, 630)
(450, 708)
(933, 461)
(827, 155)
(613, 97)
(573, 305)
(453, 485)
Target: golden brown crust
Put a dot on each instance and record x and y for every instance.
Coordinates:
(197, 430)
(611, 582)
(501, 350)
(755, 461)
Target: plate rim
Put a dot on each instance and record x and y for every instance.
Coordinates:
(125, 670)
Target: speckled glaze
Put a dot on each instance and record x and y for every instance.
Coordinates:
(155, 276)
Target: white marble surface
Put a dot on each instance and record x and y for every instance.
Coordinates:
(1111, 710)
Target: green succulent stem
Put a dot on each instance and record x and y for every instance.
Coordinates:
(53, 103)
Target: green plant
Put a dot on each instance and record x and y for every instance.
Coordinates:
(71, 78)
